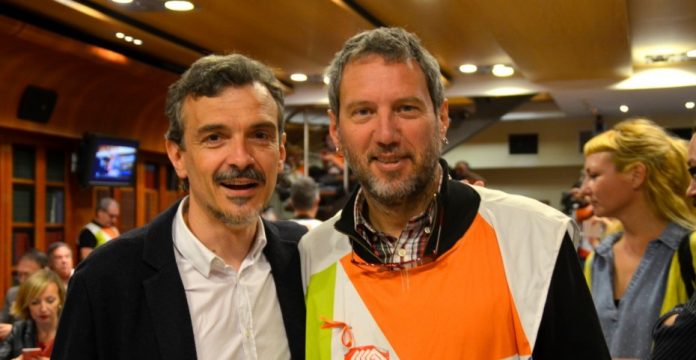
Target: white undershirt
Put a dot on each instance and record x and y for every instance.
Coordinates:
(235, 315)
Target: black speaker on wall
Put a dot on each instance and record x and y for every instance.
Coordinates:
(523, 143)
(36, 104)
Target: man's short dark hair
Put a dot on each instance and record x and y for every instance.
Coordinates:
(303, 193)
(36, 256)
(211, 75)
(55, 246)
(394, 45)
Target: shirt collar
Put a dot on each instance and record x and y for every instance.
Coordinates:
(670, 236)
(360, 210)
(200, 257)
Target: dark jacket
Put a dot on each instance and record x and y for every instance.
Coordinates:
(23, 335)
(127, 299)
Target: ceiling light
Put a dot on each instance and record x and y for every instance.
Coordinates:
(298, 77)
(691, 53)
(468, 68)
(326, 79)
(137, 42)
(177, 5)
(501, 70)
(128, 38)
(120, 35)
(657, 79)
(122, 1)
(689, 105)
(623, 108)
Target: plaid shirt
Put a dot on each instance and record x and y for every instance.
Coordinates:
(411, 243)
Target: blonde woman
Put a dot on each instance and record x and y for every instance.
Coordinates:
(637, 173)
(39, 302)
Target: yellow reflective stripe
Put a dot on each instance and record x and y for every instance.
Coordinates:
(675, 291)
(588, 269)
(320, 303)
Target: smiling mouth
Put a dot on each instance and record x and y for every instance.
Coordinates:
(240, 186)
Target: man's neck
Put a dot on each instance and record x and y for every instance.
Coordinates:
(230, 243)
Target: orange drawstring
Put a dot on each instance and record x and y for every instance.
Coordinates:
(346, 333)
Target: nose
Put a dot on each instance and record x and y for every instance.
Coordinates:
(238, 154)
(388, 131)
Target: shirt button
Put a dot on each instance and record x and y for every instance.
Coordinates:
(402, 252)
(427, 230)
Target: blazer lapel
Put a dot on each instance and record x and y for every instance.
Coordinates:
(164, 291)
(285, 267)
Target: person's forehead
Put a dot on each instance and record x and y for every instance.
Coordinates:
(61, 251)
(26, 263)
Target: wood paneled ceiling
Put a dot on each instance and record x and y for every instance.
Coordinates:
(574, 52)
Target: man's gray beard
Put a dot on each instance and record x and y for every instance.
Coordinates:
(234, 220)
(394, 194)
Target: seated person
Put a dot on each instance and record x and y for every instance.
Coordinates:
(38, 306)
(31, 261)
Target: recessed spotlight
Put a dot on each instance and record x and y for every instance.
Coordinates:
(178, 5)
(120, 35)
(128, 38)
(691, 53)
(501, 70)
(689, 105)
(468, 68)
(122, 1)
(299, 77)
(137, 42)
(623, 108)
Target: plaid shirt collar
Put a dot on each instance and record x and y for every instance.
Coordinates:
(413, 239)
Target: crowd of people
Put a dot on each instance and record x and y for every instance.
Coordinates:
(422, 260)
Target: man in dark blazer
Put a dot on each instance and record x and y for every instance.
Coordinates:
(208, 278)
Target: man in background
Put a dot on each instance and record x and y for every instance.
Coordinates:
(304, 197)
(101, 229)
(31, 261)
(61, 261)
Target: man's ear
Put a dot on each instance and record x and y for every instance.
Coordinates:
(333, 129)
(282, 153)
(444, 118)
(176, 156)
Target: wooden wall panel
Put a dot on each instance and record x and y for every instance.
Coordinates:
(98, 91)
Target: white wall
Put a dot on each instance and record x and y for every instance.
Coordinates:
(543, 176)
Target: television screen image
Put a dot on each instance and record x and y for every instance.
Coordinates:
(114, 162)
(108, 161)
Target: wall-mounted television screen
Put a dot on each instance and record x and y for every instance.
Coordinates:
(108, 161)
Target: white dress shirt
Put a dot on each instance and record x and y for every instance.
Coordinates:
(235, 315)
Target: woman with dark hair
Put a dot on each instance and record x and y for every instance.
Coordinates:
(38, 305)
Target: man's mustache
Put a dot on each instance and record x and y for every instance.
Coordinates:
(234, 173)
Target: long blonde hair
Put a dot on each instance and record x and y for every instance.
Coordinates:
(636, 141)
(32, 288)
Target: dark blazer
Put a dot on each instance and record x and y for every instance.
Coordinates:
(127, 300)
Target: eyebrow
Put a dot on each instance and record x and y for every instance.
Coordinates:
(210, 128)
